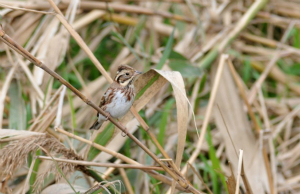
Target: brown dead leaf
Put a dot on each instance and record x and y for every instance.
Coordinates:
(240, 131)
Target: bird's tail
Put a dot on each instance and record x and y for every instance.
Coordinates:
(96, 125)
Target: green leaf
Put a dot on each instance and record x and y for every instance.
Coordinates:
(143, 90)
(137, 29)
(17, 109)
(213, 175)
(177, 56)
(34, 172)
(164, 122)
(246, 71)
(101, 139)
(215, 161)
(296, 42)
(185, 68)
(72, 109)
(201, 88)
(167, 51)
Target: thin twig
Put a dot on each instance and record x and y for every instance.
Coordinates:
(86, 163)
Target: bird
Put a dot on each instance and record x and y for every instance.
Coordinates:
(119, 97)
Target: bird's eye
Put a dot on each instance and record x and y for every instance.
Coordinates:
(127, 73)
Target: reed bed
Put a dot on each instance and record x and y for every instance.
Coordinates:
(216, 111)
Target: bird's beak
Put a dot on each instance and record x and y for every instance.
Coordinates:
(136, 73)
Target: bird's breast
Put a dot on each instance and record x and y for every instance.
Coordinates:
(121, 103)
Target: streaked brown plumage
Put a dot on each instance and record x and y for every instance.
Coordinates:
(119, 97)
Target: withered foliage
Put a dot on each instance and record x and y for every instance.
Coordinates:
(13, 155)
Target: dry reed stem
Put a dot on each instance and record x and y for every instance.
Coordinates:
(92, 5)
(110, 170)
(271, 146)
(126, 181)
(86, 163)
(208, 111)
(244, 97)
(24, 9)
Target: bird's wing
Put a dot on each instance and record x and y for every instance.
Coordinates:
(105, 97)
(109, 94)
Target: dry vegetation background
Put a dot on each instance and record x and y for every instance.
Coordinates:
(239, 74)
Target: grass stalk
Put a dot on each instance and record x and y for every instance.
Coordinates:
(86, 163)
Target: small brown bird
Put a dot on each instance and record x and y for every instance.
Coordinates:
(119, 97)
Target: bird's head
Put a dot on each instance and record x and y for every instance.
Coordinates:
(126, 75)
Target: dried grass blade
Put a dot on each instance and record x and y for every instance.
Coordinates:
(4, 92)
(231, 106)
(60, 106)
(28, 176)
(239, 172)
(37, 120)
(126, 181)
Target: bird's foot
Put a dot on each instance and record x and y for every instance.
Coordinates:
(125, 132)
(108, 115)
